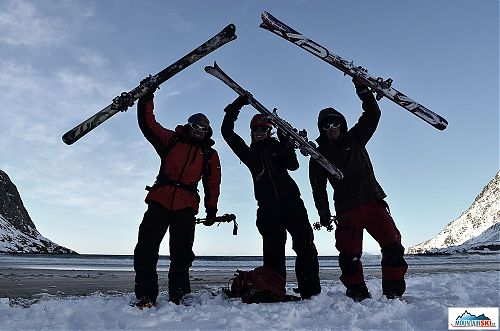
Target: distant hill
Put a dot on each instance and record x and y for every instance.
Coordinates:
(476, 230)
(18, 233)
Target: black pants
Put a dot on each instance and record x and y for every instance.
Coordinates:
(154, 225)
(273, 221)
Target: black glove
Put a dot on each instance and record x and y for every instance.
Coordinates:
(325, 218)
(152, 86)
(282, 136)
(210, 218)
(361, 88)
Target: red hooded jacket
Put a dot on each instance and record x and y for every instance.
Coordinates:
(182, 165)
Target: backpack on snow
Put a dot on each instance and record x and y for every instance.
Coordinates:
(262, 284)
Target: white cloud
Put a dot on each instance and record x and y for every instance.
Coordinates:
(92, 59)
(21, 23)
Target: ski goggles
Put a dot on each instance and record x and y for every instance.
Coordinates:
(197, 127)
(332, 125)
(261, 129)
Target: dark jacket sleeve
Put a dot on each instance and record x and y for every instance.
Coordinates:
(235, 142)
(318, 179)
(211, 182)
(368, 121)
(288, 156)
(156, 134)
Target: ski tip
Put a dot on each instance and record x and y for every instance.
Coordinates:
(230, 27)
(441, 126)
(269, 22)
(264, 16)
(67, 139)
(210, 69)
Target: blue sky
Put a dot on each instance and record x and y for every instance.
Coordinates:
(62, 61)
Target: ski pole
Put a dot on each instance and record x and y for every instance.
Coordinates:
(329, 227)
(226, 218)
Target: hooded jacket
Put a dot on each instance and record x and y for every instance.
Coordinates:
(348, 153)
(182, 164)
(268, 161)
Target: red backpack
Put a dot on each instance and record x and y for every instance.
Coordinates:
(262, 284)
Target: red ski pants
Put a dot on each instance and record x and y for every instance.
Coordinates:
(377, 221)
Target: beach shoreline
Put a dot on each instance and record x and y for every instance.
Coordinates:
(27, 283)
(32, 282)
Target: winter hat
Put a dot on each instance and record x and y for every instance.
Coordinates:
(198, 118)
(261, 120)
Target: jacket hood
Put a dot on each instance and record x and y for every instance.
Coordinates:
(324, 114)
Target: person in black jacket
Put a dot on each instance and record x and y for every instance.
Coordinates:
(280, 208)
(358, 199)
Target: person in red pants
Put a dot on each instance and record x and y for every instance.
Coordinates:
(359, 199)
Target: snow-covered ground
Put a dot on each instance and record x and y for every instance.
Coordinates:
(425, 307)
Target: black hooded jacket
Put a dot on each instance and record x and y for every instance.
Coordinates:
(349, 155)
(268, 162)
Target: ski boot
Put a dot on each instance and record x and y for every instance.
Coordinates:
(176, 295)
(358, 292)
(145, 302)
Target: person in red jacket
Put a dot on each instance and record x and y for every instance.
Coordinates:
(173, 201)
(359, 199)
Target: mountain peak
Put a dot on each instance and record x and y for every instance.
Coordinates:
(18, 233)
(475, 230)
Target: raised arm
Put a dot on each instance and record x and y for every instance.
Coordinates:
(368, 121)
(235, 142)
(156, 134)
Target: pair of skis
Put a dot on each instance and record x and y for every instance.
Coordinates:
(377, 84)
(298, 138)
(127, 99)
(382, 87)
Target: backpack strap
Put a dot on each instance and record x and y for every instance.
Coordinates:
(162, 179)
(207, 154)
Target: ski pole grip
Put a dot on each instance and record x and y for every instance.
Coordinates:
(226, 218)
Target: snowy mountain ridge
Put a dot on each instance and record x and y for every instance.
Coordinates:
(18, 233)
(477, 229)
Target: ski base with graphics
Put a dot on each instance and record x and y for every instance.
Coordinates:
(382, 87)
(298, 138)
(127, 99)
